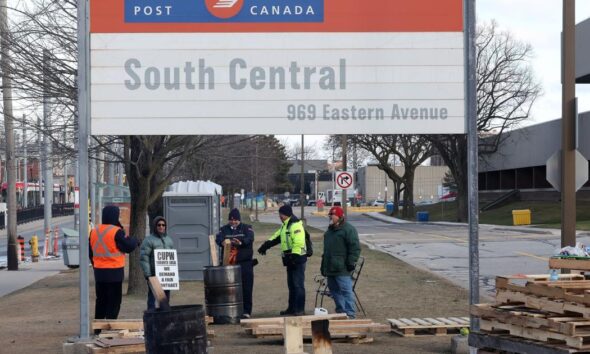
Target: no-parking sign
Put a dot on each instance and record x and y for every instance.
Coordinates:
(276, 67)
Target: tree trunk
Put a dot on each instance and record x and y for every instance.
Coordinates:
(409, 194)
(139, 208)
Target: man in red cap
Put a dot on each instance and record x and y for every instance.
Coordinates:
(341, 251)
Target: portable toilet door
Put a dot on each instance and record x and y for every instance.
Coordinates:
(190, 222)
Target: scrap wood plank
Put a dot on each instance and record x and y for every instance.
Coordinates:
(116, 342)
(253, 322)
(578, 264)
(343, 330)
(535, 334)
(131, 324)
(134, 348)
(427, 326)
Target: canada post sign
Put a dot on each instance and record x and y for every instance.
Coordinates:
(276, 67)
(142, 11)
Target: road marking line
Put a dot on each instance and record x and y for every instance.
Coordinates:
(544, 259)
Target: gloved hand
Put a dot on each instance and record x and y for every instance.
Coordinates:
(350, 268)
(265, 246)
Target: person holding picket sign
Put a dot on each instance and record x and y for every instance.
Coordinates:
(159, 239)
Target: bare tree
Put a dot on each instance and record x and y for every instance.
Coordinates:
(410, 150)
(150, 161)
(506, 91)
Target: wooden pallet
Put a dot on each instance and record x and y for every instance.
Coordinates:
(541, 303)
(570, 289)
(525, 317)
(578, 342)
(441, 326)
(355, 331)
(569, 263)
(504, 343)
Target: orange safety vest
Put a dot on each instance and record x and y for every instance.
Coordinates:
(105, 253)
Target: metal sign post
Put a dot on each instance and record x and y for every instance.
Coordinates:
(83, 105)
(472, 146)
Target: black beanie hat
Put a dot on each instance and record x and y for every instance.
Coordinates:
(286, 210)
(234, 214)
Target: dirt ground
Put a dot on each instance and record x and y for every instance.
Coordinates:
(39, 318)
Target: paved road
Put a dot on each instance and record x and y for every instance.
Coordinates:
(34, 228)
(443, 248)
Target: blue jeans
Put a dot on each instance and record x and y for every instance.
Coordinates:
(296, 284)
(151, 300)
(341, 291)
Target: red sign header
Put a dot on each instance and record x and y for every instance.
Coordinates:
(108, 16)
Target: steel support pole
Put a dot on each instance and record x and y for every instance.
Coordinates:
(302, 184)
(10, 213)
(83, 109)
(472, 148)
(344, 168)
(568, 121)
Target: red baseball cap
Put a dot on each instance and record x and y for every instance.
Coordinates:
(336, 210)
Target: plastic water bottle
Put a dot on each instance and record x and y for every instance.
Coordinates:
(553, 276)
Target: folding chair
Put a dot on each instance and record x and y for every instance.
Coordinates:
(323, 289)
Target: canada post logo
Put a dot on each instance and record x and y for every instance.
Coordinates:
(206, 11)
(224, 8)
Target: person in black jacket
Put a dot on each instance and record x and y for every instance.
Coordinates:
(108, 245)
(241, 237)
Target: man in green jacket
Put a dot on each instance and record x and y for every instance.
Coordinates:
(341, 251)
(291, 236)
(159, 239)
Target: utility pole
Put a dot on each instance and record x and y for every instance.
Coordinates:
(568, 122)
(302, 184)
(26, 170)
(12, 257)
(48, 169)
(256, 178)
(344, 162)
(65, 167)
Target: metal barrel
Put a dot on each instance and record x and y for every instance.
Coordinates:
(180, 330)
(223, 293)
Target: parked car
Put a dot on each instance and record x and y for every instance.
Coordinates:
(378, 202)
(311, 202)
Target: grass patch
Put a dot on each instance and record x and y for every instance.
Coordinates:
(543, 213)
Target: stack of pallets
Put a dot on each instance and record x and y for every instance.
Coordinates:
(534, 308)
(357, 331)
(440, 326)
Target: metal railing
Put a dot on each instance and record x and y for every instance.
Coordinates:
(24, 216)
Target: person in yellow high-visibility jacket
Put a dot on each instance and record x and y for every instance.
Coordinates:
(291, 236)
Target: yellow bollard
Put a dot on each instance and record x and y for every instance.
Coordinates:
(34, 242)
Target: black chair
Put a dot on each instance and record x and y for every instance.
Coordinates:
(323, 290)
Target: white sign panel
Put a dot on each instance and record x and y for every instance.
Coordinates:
(167, 269)
(344, 180)
(263, 67)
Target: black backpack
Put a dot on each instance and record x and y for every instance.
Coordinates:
(308, 244)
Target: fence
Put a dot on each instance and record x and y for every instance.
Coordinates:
(24, 216)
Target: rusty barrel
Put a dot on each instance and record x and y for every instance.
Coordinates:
(179, 330)
(223, 293)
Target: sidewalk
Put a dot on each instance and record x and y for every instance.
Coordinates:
(28, 273)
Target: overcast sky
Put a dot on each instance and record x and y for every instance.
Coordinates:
(538, 22)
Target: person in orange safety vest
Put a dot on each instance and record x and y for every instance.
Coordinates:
(108, 245)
